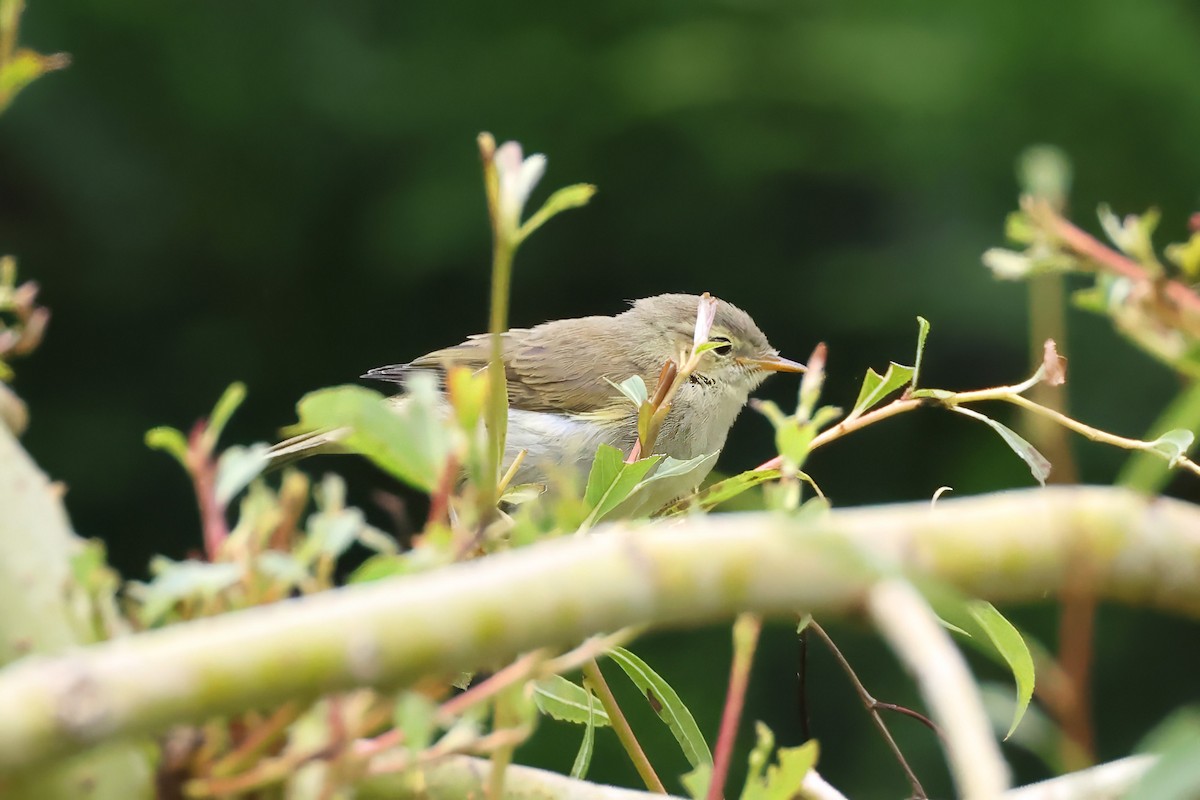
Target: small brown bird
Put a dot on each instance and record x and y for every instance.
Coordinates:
(562, 406)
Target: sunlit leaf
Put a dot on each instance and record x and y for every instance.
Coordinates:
(634, 389)
(237, 466)
(922, 334)
(1038, 463)
(175, 581)
(727, 489)
(1011, 646)
(876, 387)
(567, 701)
(228, 403)
(783, 779)
(408, 439)
(170, 441)
(1173, 445)
(565, 198)
(611, 481)
(695, 783)
(583, 759)
(666, 704)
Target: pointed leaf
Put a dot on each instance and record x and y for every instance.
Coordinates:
(567, 701)
(565, 198)
(1038, 463)
(719, 492)
(876, 387)
(666, 704)
(634, 388)
(583, 759)
(922, 333)
(1008, 642)
(170, 441)
(611, 481)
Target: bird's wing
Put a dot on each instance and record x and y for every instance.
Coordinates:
(545, 370)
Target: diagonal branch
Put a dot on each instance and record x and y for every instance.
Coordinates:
(1010, 546)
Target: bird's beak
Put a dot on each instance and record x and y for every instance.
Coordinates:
(774, 363)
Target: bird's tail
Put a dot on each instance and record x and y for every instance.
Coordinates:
(305, 445)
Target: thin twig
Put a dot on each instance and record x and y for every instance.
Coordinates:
(620, 726)
(872, 706)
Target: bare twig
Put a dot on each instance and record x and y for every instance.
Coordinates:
(872, 705)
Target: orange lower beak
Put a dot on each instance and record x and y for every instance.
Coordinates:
(775, 363)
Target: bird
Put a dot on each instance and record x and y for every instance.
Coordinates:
(561, 378)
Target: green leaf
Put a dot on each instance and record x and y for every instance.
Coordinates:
(666, 704)
(876, 387)
(1038, 464)
(175, 581)
(611, 481)
(784, 778)
(695, 783)
(409, 439)
(719, 492)
(1173, 445)
(567, 701)
(672, 478)
(282, 568)
(583, 759)
(171, 442)
(922, 333)
(415, 715)
(1176, 773)
(565, 198)
(237, 466)
(634, 388)
(1008, 642)
(1145, 471)
(222, 411)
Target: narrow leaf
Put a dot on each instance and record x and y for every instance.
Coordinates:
(170, 441)
(922, 333)
(719, 492)
(567, 701)
(1038, 463)
(583, 759)
(223, 410)
(1008, 642)
(1175, 775)
(667, 705)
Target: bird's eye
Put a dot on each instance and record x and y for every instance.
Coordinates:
(723, 346)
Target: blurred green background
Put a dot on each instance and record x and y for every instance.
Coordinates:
(290, 195)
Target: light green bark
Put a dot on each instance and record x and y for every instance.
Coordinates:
(43, 612)
(1014, 546)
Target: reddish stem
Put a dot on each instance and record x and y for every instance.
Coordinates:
(745, 641)
(204, 479)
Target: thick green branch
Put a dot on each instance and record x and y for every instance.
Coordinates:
(1005, 547)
